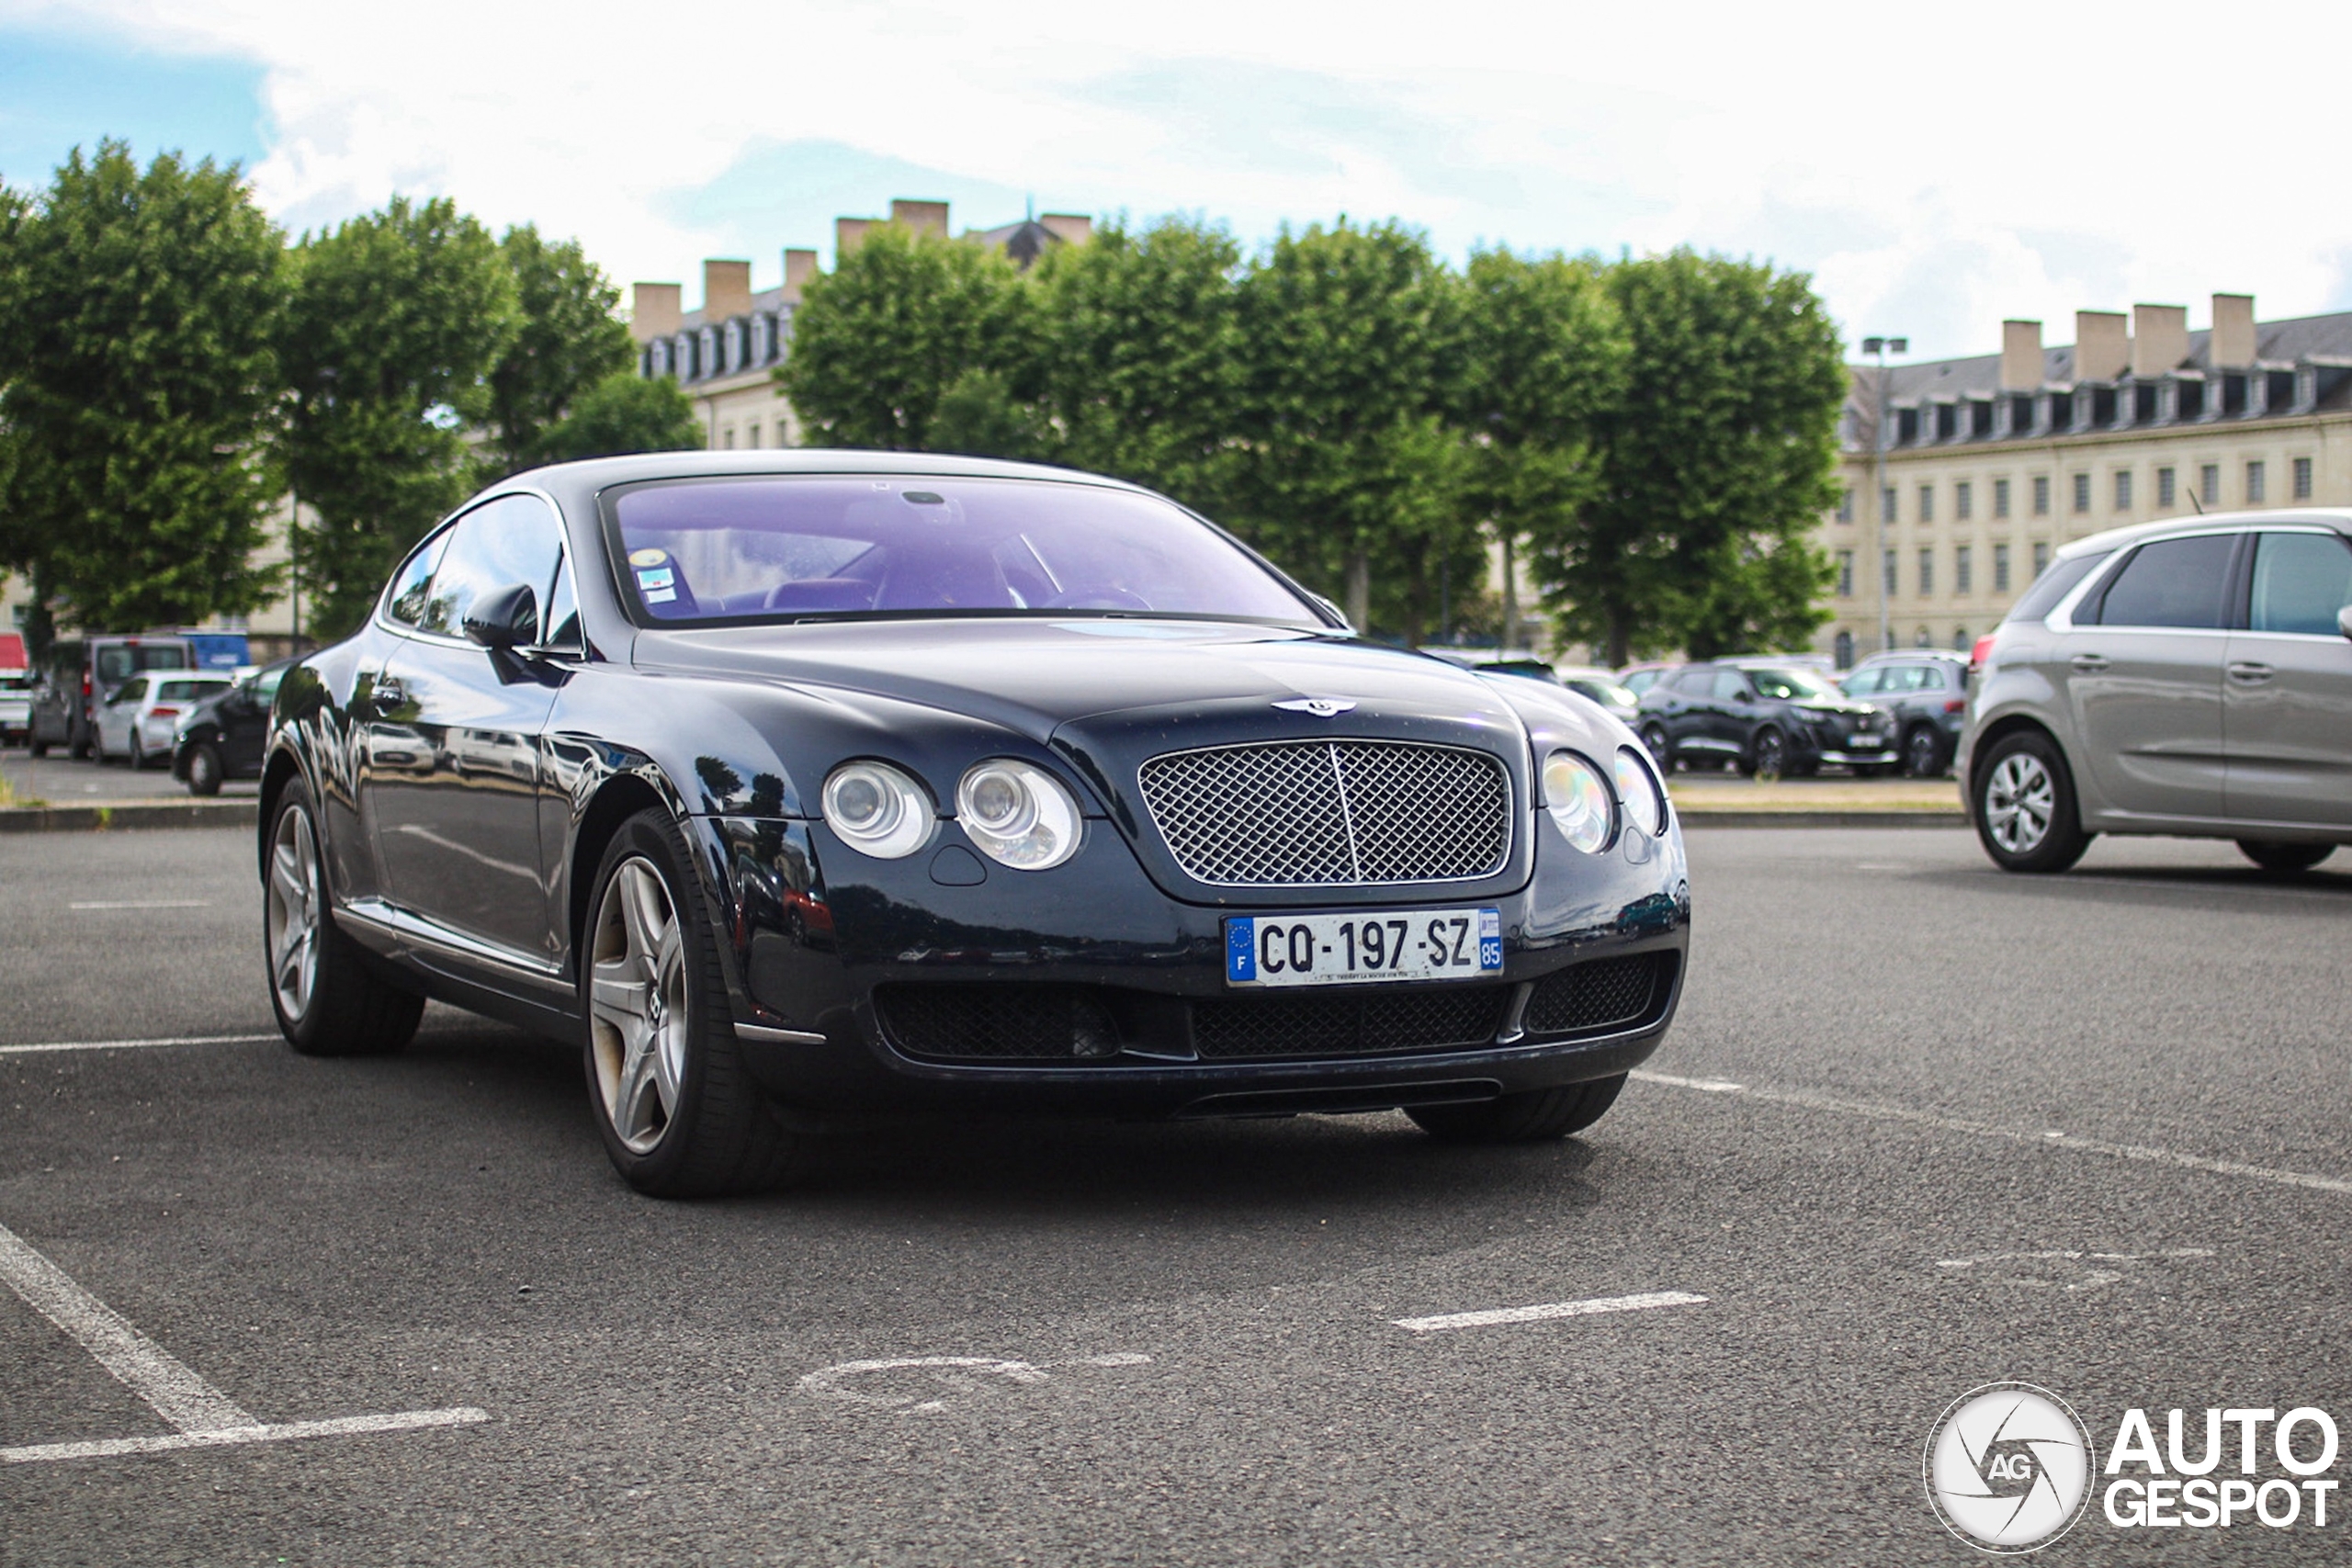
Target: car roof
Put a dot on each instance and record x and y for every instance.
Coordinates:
(1892, 655)
(2132, 533)
(600, 472)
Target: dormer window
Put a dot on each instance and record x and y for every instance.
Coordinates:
(734, 340)
(762, 341)
(706, 353)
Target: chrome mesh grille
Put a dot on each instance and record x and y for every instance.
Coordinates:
(1330, 812)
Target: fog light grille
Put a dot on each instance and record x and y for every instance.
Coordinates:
(1606, 993)
(998, 1023)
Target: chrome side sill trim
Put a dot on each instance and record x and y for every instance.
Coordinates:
(408, 925)
(760, 1034)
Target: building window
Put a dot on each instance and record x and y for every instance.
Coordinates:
(2041, 495)
(1845, 505)
(2303, 478)
(1844, 645)
(1959, 643)
(1926, 504)
(1887, 566)
(2123, 490)
(1927, 572)
(2041, 556)
(1964, 501)
(1845, 574)
(2254, 484)
(1963, 570)
(752, 436)
(2164, 497)
(2000, 498)
(1886, 505)
(1920, 638)
(2208, 484)
(2082, 494)
(2000, 569)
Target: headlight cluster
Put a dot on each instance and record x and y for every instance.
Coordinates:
(1587, 808)
(1016, 814)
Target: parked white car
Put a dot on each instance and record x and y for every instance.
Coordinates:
(138, 722)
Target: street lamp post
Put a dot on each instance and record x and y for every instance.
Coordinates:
(1881, 347)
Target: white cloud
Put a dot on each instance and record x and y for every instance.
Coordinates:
(1937, 167)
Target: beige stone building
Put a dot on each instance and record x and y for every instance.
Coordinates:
(725, 353)
(1987, 464)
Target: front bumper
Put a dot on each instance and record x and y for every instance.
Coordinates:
(1095, 941)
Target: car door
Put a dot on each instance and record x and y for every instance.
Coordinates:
(455, 758)
(1733, 712)
(1687, 696)
(2286, 683)
(117, 715)
(2144, 677)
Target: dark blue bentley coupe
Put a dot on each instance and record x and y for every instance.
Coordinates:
(797, 783)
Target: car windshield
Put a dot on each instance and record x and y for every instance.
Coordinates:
(1791, 685)
(184, 689)
(791, 547)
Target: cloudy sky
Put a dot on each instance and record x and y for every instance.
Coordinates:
(1937, 167)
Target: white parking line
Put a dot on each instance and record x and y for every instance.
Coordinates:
(2056, 1140)
(135, 1045)
(203, 1416)
(144, 904)
(1548, 1310)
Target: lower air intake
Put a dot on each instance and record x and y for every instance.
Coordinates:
(1604, 994)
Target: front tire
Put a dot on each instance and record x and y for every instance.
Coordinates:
(1767, 754)
(1923, 753)
(204, 769)
(676, 1104)
(1534, 1116)
(329, 1000)
(2272, 854)
(1661, 748)
(2023, 802)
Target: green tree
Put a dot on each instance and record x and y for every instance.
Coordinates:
(1714, 465)
(139, 388)
(1343, 466)
(568, 339)
(396, 321)
(1139, 371)
(878, 342)
(1541, 359)
(623, 412)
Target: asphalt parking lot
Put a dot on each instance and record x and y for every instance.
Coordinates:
(1920, 1127)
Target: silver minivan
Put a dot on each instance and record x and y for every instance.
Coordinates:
(2190, 678)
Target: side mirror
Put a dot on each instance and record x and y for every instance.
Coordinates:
(506, 619)
(2344, 620)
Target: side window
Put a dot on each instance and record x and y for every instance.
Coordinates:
(1695, 683)
(1864, 683)
(513, 539)
(1731, 687)
(2300, 581)
(404, 601)
(1934, 677)
(2172, 582)
(132, 690)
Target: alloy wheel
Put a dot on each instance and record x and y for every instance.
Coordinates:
(293, 912)
(1922, 753)
(2021, 799)
(636, 1009)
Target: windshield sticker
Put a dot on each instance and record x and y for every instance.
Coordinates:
(649, 557)
(650, 578)
(660, 595)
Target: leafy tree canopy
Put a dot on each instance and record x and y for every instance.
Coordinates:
(568, 339)
(624, 412)
(139, 388)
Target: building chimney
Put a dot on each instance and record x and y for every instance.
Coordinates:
(799, 267)
(848, 233)
(2020, 356)
(2159, 339)
(2233, 344)
(922, 217)
(726, 290)
(2102, 345)
(1072, 228)
(653, 310)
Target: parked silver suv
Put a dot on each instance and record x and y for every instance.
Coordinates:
(2191, 678)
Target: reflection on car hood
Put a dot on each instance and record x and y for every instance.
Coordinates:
(1034, 676)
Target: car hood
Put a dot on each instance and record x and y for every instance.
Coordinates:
(1847, 708)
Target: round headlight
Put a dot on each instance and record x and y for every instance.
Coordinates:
(876, 808)
(1577, 797)
(1642, 796)
(1020, 816)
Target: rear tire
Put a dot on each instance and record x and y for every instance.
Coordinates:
(1532, 1117)
(37, 746)
(1661, 749)
(2023, 799)
(1767, 754)
(676, 1104)
(2273, 854)
(330, 1001)
(1923, 753)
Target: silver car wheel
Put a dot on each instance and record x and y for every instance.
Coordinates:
(637, 1007)
(293, 918)
(2021, 799)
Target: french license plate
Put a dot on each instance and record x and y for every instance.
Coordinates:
(1354, 949)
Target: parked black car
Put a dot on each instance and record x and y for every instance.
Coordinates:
(1764, 717)
(222, 737)
(831, 782)
(1925, 693)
